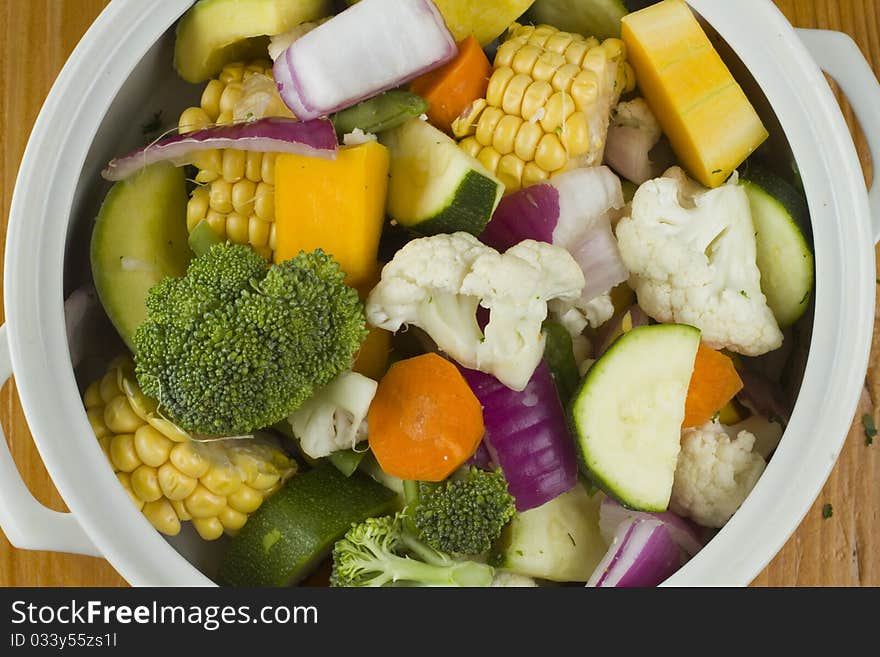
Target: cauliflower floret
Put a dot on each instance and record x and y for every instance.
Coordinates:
(335, 416)
(715, 474)
(437, 283)
(696, 265)
(505, 578)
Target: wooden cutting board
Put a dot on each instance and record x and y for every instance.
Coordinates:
(37, 37)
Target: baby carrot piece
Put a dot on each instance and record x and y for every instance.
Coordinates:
(713, 384)
(424, 420)
(452, 87)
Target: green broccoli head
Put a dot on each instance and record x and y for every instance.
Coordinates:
(464, 516)
(380, 552)
(236, 345)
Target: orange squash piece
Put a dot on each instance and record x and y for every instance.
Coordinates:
(713, 384)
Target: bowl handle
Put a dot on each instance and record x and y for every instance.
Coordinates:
(839, 56)
(28, 524)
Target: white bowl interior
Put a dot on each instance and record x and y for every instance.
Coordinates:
(154, 86)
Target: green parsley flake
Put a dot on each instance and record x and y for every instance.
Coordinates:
(827, 511)
(870, 428)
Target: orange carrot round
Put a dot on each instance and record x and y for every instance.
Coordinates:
(424, 421)
(713, 384)
(454, 86)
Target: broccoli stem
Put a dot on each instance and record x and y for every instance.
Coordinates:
(439, 569)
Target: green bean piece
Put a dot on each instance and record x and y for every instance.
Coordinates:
(380, 113)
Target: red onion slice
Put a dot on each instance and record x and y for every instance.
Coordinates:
(599, 257)
(526, 434)
(642, 553)
(612, 515)
(369, 48)
(270, 135)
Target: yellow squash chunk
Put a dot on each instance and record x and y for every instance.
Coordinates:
(484, 20)
(710, 123)
(335, 205)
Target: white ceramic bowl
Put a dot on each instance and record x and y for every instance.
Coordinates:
(121, 72)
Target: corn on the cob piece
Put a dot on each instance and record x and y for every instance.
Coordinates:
(547, 106)
(237, 192)
(172, 478)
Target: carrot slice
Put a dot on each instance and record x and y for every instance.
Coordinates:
(713, 384)
(452, 87)
(424, 421)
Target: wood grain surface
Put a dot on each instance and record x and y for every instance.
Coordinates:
(843, 550)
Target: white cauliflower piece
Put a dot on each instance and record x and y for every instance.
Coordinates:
(334, 418)
(437, 283)
(692, 261)
(505, 578)
(281, 42)
(715, 474)
(636, 113)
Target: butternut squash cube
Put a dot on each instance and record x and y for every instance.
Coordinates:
(335, 205)
(710, 123)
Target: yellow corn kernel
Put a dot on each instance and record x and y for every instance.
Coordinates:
(243, 193)
(490, 158)
(192, 119)
(237, 228)
(486, 127)
(614, 48)
(526, 142)
(210, 101)
(224, 118)
(174, 484)
(262, 480)
(125, 480)
(547, 65)
(575, 52)
(96, 420)
(534, 99)
(253, 166)
(202, 503)
(264, 201)
(564, 76)
(109, 386)
(245, 500)
(161, 515)
(180, 509)
(505, 133)
(556, 112)
(104, 442)
(540, 35)
(533, 174)
(188, 460)
(119, 416)
(512, 100)
(273, 239)
(233, 165)
(466, 124)
(210, 529)
(217, 221)
(221, 480)
(145, 483)
(152, 446)
(264, 252)
(524, 60)
(231, 519)
(558, 42)
(197, 207)
(550, 156)
(497, 85)
(510, 171)
(258, 231)
(123, 454)
(523, 32)
(204, 176)
(471, 146)
(92, 395)
(575, 136)
(168, 429)
(584, 90)
(221, 196)
(506, 52)
(267, 169)
(230, 97)
(210, 161)
(232, 73)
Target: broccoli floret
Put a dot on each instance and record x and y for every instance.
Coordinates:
(236, 345)
(463, 516)
(379, 552)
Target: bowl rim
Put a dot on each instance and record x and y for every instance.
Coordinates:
(33, 282)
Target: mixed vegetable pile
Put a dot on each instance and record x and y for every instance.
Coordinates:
(449, 294)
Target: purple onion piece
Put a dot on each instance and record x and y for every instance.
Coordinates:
(270, 135)
(369, 48)
(482, 458)
(760, 395)
(599, 258)
(685, 534)
(609, 332)
(642, 554)
(530, 213)
(627, 151)
(527, 436)
(79, 311)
